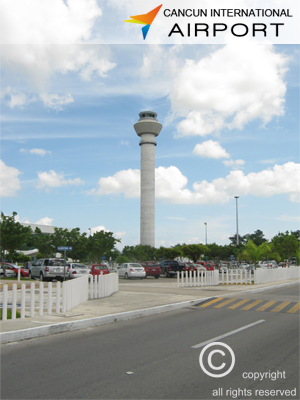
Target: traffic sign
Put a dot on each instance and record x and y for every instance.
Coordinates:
(64, 248)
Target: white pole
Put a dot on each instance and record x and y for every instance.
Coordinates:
(14, 301)
(23, 286)
(4, 309)
(49, 298)
(41, 298)
(32, 298)
(57, 297)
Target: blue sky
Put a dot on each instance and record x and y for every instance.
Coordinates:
(70, 156)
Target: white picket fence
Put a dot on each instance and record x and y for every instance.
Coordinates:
(236, 277)
(276, 274)
(39, 299)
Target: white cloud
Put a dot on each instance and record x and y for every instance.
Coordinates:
(55, 101)
(237, 164)
(170, 185)
(253, 88)
(9, 181)
(210, 149)
(40, 152)
(52, 179)
(45, 221)
(48, 21)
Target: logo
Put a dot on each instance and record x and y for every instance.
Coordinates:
(218, 367)
(146, 19)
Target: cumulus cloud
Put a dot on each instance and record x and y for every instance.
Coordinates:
(234, 164)
(9, 181)
(253, 88)
(170, 185)
(40, 152)
(45, 221)
(55, 101)
(210, 149)
(52, 179)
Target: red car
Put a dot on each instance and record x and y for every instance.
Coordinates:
(209, 266)
(190, 267)
(96, 269)
(152, 268)
(24, 273)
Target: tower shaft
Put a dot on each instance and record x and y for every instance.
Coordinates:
(147, 128)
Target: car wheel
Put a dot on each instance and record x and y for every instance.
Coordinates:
(156, 277)
(126, 276)
(42, 277)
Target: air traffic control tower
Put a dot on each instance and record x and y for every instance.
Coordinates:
(147, 128)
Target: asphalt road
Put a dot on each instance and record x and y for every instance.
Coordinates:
(157, 357)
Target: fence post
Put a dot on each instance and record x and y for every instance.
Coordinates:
(32, 298)
(49, 298)
(57, 310)
(23, 286)
(91, 287)
(41, 295)
(14, 301)
(4, 309)
(177, 278)
(64, 297)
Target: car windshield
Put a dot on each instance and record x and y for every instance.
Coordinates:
(79, 266)
(100, 267)
(56, 263)
(134, 265)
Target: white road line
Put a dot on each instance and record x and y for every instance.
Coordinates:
(227, 334)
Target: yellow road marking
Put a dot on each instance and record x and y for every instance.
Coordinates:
(224, 303)
(251, 305)
(265, 306)
(238, 304)
(212, 301)
(281, 306)
(294, 309)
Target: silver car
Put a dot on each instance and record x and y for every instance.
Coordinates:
(132, 270)
(76, 270)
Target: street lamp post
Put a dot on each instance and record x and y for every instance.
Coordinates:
(205, 223)
(237, 221)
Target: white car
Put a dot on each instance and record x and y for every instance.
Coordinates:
(76, 270)
(132, 270)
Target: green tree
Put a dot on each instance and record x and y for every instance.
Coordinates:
(194, 251)
(257, 237)
(12, 234)
(254, 253)
(122, 259)
(286, 245)
(101, 243)
(44, 244)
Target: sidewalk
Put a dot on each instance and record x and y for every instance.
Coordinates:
(134, 299)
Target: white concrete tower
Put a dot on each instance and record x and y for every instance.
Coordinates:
(147, 128)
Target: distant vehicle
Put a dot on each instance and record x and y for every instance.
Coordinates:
(24, 273)
(208, 266)
(9, 270)
(223, 268)
(49, 269)
(152, 268)
(76, 270)
(170, 268)
(96, 269)
(132, 270)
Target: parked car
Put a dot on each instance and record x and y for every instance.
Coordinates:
(96, 269)
(76, 270)
(223, 268)
(49, 269)
(170, 268)
(208, 266)
(152, 268)
(132, 270)
(24, 273)
(9, 272)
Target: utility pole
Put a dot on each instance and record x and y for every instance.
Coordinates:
(237, 221)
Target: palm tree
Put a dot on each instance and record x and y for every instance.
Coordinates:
(254, 253)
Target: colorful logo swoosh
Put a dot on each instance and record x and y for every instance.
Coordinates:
(146, 19)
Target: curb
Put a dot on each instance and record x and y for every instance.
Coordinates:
(30, 333)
